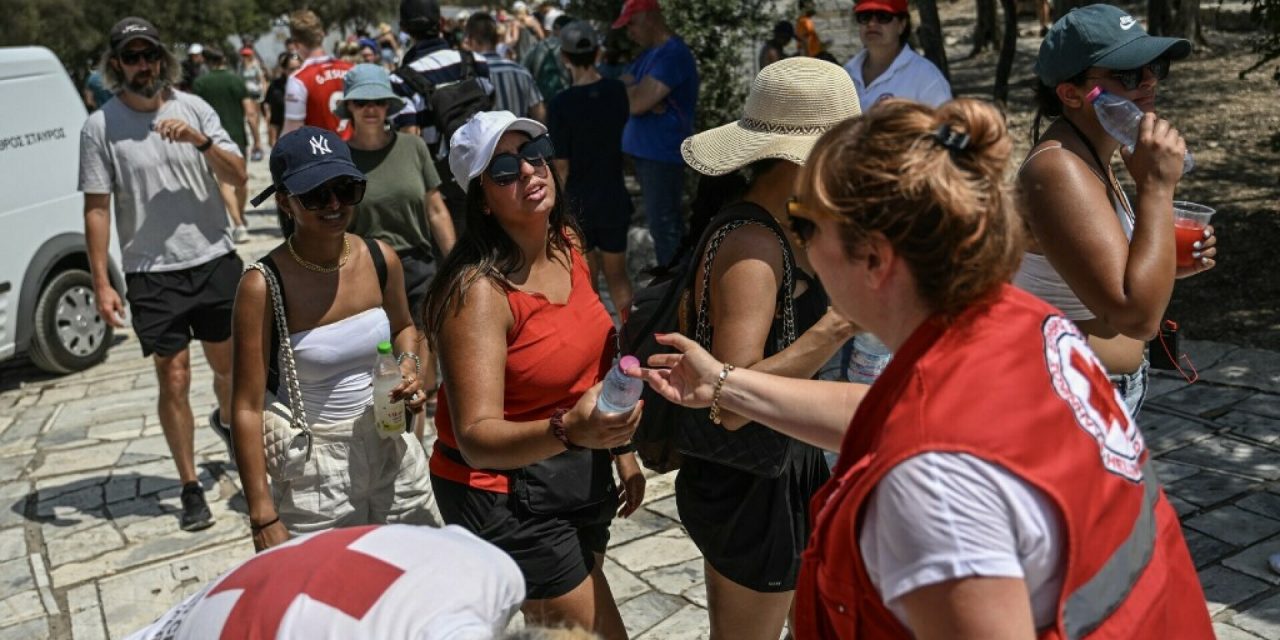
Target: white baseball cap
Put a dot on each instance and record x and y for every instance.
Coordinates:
(471, 147)
(195, 48)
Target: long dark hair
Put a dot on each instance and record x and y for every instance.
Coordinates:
(486, 251)
(1048, 105)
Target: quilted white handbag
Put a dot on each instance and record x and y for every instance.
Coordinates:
(286, 437)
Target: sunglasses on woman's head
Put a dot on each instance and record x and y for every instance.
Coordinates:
(801, 226)
(881, 17)
(1131, 78)
(132, 57)
(504, 168)
(347, 190)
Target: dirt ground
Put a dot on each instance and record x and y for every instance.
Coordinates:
(1232, 127)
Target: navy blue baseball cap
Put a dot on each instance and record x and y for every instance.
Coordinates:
(306, 158)
(1100, 35)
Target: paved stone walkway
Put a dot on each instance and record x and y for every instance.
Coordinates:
(90, 547)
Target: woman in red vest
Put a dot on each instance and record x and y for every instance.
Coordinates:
(991, 483)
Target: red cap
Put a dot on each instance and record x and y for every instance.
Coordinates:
(892, 6)
(247, 51)
(633, 7)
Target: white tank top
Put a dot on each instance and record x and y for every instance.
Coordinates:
(335, 365)
(1038, 277)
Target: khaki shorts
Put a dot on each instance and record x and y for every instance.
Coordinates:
(354, 477)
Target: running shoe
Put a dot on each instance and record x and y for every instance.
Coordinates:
(224, 432)
(256, 156)
(195, 511)
(240, 234)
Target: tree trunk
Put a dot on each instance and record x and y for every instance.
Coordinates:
(1008, 47)
(930, 35)
(985, 30)
(1159, 17)
(1061, 7)
(1187, 23)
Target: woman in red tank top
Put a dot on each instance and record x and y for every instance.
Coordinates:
(523, 459)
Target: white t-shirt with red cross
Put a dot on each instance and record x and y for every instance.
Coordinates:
(388, 581)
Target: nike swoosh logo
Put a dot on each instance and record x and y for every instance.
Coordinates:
(1127, 23)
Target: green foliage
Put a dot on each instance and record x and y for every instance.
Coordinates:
(76, 30)
(1266, 15)
(716, 32)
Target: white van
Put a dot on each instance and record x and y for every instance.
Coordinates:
(47, 306)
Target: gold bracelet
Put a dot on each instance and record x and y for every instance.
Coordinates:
(715, 398)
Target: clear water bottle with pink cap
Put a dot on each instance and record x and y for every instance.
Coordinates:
(620, 392)
(1121, 119)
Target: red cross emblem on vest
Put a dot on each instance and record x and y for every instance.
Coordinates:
(323, 568)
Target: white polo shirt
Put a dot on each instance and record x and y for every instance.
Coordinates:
(911, 76)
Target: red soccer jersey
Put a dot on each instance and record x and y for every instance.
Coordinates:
(314, 90)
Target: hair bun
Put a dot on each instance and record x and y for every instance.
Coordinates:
(988, 145)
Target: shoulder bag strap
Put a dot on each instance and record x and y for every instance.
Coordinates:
(703, 330)
(281, 327)
(379, 261)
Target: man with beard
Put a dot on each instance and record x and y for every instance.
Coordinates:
(161, 154)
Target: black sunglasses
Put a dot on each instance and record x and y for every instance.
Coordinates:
(504, 168)
(881, 17)
(132, 57)
(360, 104)
(348, 191)
(1131, 78)
(801, 226)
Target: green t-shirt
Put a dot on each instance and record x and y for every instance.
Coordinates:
(394, 210)
(225, 92)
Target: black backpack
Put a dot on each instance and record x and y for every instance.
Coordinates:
(450, 104)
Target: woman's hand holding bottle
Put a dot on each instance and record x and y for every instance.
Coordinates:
(589, 428)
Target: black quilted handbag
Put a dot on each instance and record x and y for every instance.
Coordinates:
(754, 448)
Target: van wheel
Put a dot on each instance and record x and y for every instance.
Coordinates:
(69, 334)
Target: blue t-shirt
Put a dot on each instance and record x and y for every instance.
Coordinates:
(657, 136)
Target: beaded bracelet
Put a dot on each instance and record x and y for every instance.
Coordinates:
(417, 361)
(715, 398)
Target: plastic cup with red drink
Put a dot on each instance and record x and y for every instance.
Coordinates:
(1189, 222)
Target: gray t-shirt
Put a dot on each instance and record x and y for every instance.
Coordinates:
(169, 213)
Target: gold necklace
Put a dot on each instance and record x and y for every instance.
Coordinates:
(346, 253)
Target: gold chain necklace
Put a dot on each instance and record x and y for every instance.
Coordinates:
(306, 264)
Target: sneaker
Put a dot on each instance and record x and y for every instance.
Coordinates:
(195, 511)
(215, 422)
(240, 234)
(256, 156)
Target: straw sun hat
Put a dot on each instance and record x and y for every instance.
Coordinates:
(791, 104)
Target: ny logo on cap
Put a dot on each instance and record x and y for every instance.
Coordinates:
(1127, 22)
(320, 146)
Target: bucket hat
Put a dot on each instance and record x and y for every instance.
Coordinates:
(306, 158)
(1100, 35)
(367, 82)
(471, 147)
(792, 103)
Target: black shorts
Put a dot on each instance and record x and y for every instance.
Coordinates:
(752, 530)
(609, 239)
(419, 268)
(170, 308)
(554, 554)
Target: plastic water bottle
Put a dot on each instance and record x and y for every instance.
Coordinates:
(870, 357)
(1121, 118)
(620, 392)
(388, 415)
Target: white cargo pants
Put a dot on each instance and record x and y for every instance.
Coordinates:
(355, 477)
